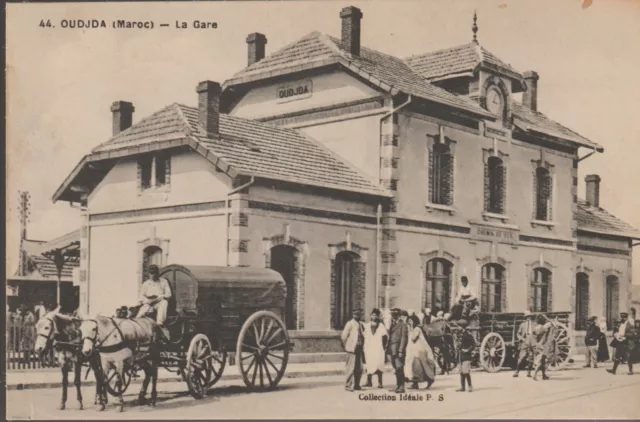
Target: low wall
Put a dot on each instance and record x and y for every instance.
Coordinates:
(316, 341)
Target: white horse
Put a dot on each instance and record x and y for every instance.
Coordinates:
(62, 333)
(118, 342)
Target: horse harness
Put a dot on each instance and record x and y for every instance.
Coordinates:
(124, 344)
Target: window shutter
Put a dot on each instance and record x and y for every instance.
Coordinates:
(431, 169)
(503, 291)
(139, 176)
(167, 169)
(502, 187)
(447, 179)
(487, 192)
(532, 276)
(550, 292)
(535, 195)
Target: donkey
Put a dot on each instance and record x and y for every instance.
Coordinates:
(62, 333)
(117, 341)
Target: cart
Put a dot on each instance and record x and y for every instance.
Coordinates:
(496, 335)
(219, 313)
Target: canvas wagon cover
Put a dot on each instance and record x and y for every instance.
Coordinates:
(198, 286)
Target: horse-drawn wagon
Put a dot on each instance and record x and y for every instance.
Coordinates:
(495, 334)
(220, 312)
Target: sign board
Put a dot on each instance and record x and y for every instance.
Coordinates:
(294, 91)
(494, 234)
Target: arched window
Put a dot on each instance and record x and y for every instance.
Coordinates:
(540, 285)
(284, 260)
(582, 301)
(441, 175)
(438, 284)
(612, 306)
(152, 255)
(543, 194)
(492, 288)
(495, 175)
(345, 294)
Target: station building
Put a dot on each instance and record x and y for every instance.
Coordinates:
(364, 179)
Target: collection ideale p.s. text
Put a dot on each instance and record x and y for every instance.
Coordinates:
(406, 397)
(125, 24)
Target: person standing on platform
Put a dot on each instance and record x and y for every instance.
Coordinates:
(466, 346)
(525, 343)
(633, 344)
(375, 338)
(591, 340)
(619, 342)
(353, 341)
(397, 348)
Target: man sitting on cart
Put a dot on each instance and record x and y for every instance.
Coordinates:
(465, 296)
(155, 294)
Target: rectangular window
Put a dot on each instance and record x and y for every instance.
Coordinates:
(441, 175)
(146, 168)
(154, 171)
(543, 188)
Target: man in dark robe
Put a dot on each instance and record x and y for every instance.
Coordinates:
(397, 348)
(591, 339)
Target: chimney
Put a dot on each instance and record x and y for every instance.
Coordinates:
(122, 112)
(351, 29)
(593, 190)
(255, 50)
(530, 96)
(209, 106)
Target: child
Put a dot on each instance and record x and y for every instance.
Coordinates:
(466, 346)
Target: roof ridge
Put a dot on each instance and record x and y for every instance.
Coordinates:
(429, 53)
(259, 63)
(130, 128)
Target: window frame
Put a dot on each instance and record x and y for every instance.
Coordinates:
(432, 278)
(537, 289)
(499, 292)
(159, 166)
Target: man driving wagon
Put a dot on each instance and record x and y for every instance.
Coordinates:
(154, 296)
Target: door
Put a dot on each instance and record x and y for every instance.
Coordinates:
(283, 260)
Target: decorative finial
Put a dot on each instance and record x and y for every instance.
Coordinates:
(474, 28)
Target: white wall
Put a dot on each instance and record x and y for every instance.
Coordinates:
(328, 90)
(118, 191)
(115, 255)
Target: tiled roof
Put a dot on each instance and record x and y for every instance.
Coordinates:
(250, 148)
(457, 60)
(529, 120)
(388, 72)
(47, 268)
(600, 221)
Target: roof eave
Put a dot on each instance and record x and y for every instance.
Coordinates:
(259, 76)
(527, 128)
(625, 235)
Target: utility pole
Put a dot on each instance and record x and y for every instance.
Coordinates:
(23, 208)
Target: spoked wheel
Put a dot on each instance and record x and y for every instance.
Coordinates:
(563, 345)
(199, 368)
(492, 352)
(113, 387)
(218, 362)
(263, 350)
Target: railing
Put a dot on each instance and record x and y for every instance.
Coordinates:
(21, 340)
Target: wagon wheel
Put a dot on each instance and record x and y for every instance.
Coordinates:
(492, 352)
(199, 366)
(263, 347)
(112, 382)
(218, 362)
(563, 347)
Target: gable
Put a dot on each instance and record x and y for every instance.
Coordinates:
(331, 88)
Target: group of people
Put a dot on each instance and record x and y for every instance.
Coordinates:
(535, 342)
(625, 343)
(402, 342)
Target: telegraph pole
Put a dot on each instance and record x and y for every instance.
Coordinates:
(23, 207)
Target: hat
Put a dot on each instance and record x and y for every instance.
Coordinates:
(395, 311)
(527, 313)
(440, 313)
(593, 318)
(154, 268)
(463, 323)
(624, 314)
(404, 313)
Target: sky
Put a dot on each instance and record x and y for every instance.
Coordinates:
(61, 82)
